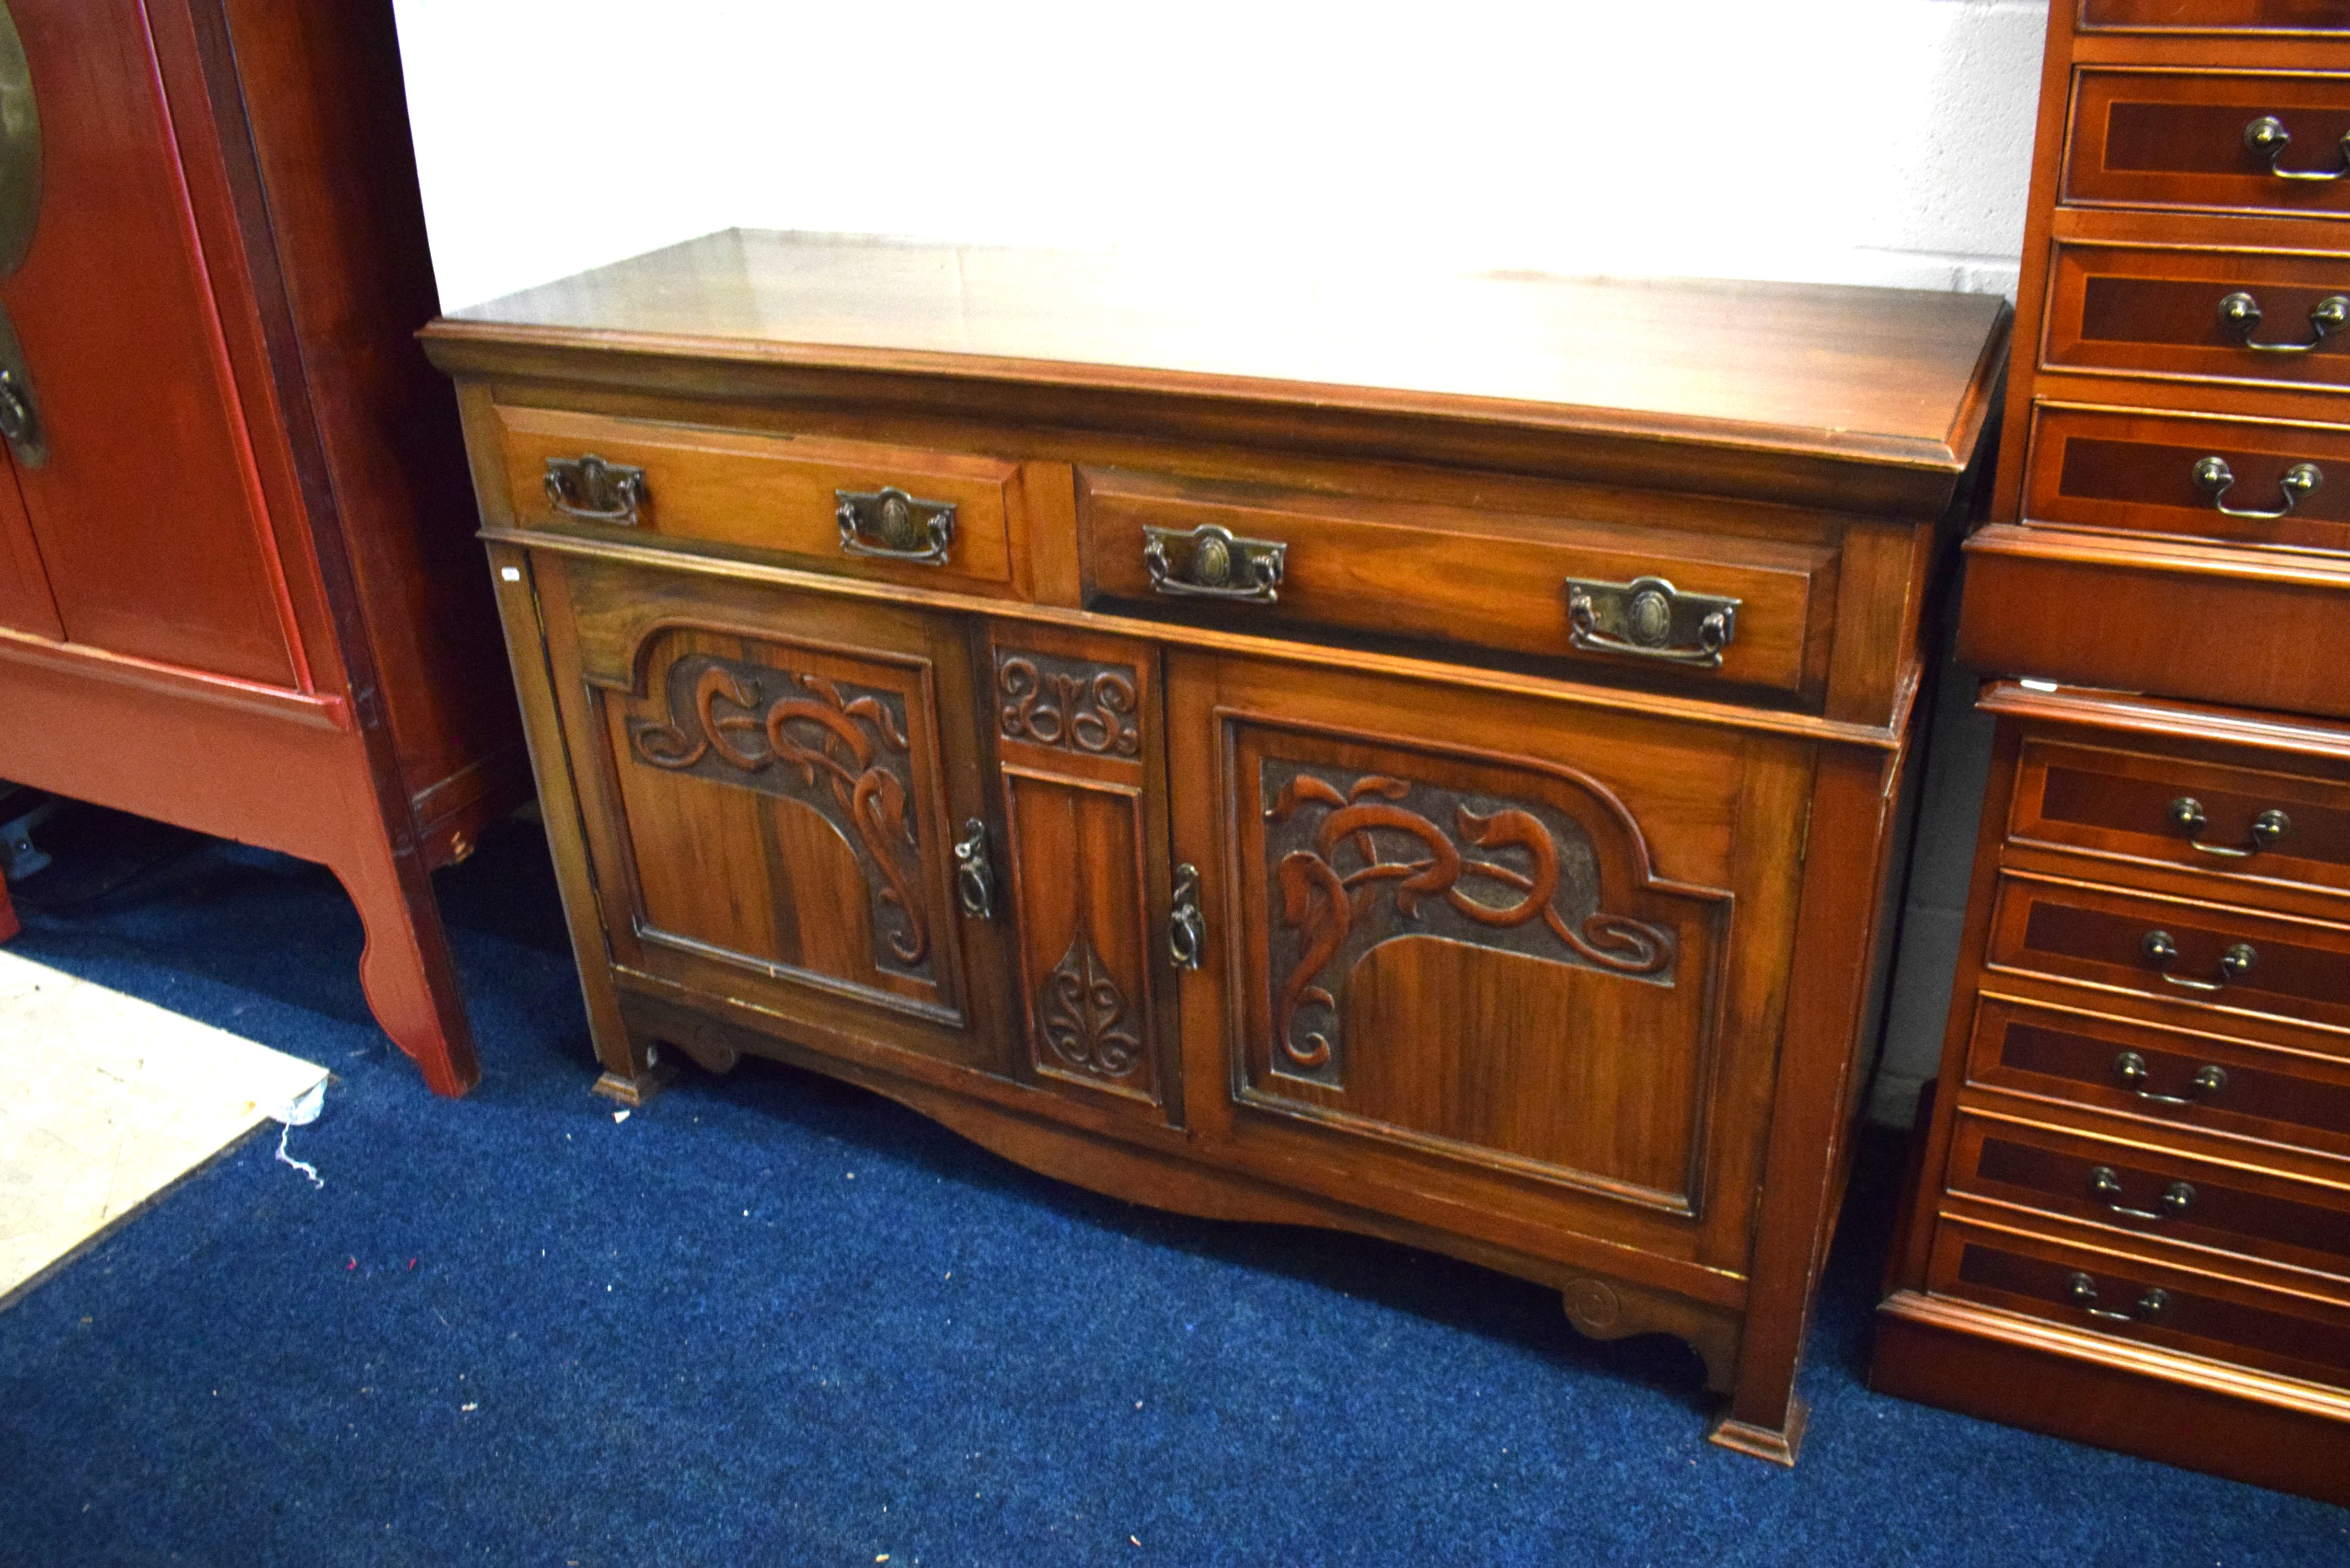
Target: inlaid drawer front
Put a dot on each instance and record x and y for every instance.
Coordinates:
(1725, 608)
(2208, 816)
(2153, 1192)
(2244, 480)
(2222, 141)
(845, 506)
(2206, 955)
(2215, 16)
(2201, 1314)
(2175, 1077)
(2201, 314)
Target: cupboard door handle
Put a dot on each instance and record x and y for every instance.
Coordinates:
(888, 525)
(1651, 619)
(2235, 965)
(2105, 1186)
(2267, 138)
(2299, 481)
(1212, 562)
(2327, 317)
(2187, 816)
(2149, 1306)
(2206, 1082)
(1187, 928)
(974, 875)
(589, 488)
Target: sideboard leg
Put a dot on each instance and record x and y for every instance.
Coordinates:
(636, 1089)
(406, 971)
(8, 925)
(1779, 1443)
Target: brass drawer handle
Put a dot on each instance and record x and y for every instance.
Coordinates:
(2267, 138)
(2235, 965)
(1212, 561)
(1651, 619)
(2205, 1085)
(2149, 1306)
(2327, 317)
(2105, 1186)
(2299, 482)
(2187, 816)
(974, 875)
(1187, 928)
(589, 488)
(889, 524)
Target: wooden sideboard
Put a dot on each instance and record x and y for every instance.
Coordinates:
(2132, 1225)
(1416, 756)
(237, 589)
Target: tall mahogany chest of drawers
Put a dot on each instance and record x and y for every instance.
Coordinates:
(1421, 757)
(2133, 1222)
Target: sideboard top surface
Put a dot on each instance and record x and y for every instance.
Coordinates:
(1865, 376)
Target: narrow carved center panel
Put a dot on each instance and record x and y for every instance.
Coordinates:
(1084, 1015)
(1068, 703)
(838, 748)
(1358, 859)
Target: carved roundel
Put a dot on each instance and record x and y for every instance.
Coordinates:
(1592, 1306)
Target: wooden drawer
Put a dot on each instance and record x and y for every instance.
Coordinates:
(2252, 316)
(2136, 614)
(2215, 16)
(782, 494)
(1489, 579)
(2223, 959)
(2153, 1192)
(2175, 1077)
(2147, 474)
(2180, 138)
(2256, 823)
(2301, 1335)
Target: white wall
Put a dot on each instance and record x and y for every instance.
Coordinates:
(1837, 140)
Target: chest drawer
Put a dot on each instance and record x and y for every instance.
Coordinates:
(2153, 1192)
(2200, 315)
(856, 508)
(2104, 1293)
(2207, 956)
(2173, 1077)
(2254, 823)
(1734, 610)
(2242, 480)
(2225, 141)
(2215, 16)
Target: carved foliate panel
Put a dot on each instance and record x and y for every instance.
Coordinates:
(1070, 703)
(1085, 933)
(1356, 859)
(838, 748)
(1084, 1017)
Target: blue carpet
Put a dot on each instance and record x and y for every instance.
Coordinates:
(770, 1319)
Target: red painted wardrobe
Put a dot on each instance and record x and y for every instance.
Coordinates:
(238, 585)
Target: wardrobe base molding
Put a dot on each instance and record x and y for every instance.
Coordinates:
(271, 769)
(2200, 1415)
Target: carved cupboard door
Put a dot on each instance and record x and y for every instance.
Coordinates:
(1079, 746)
(1486, 959)
(776, 789)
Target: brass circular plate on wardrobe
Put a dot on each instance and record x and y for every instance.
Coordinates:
(20, 147)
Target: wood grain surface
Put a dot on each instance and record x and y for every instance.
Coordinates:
(1868, 373)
